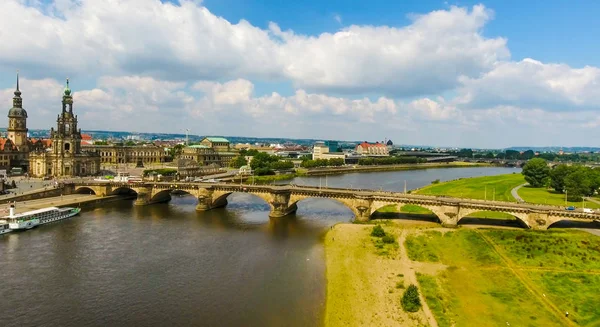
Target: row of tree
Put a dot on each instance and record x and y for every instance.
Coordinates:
(390, 161)
(333, 162)
(576, 181)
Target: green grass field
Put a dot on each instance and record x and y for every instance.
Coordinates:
(490, 187)
(545, 196)
(546, 274)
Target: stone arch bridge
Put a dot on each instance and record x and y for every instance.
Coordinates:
(363, 203)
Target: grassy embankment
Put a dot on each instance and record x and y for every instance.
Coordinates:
(525, 278)
(481, 278)
(490, 187)
(376, 168)
(493, 188)
(550, 197)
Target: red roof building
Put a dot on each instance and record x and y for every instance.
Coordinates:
(375, 149)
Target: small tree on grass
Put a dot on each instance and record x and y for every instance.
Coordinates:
(410, 299)
(378, 231)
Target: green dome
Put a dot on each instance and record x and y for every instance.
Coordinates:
(67, 89)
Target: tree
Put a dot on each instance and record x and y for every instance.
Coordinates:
(527, 155)
(557, 177)
(238, 162)
(176, 151)
(410, 300)
(536, 172)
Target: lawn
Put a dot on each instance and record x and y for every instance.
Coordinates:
(490, 187)
(568, 249)
(584, 294)
(550, 197)
(478, 288)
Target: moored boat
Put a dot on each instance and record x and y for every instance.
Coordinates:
(30, 219)
(4, 228)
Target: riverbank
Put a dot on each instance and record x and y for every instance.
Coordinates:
(466, 277)
(301, 172)
(73, 200)
(365, 169)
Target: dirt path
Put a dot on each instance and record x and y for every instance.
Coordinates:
(410, 277)
(551, 307)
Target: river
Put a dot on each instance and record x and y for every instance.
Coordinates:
(167, 264)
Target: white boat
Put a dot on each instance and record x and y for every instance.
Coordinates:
(4, 228)
(30, 219)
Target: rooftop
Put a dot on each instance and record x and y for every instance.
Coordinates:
(218, 139)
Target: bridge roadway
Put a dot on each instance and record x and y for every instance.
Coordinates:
(283, 200)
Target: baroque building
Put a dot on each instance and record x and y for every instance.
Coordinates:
(65, 157)
(210, 151)
(117, 154)
(15, 148)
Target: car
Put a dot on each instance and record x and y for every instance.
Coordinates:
(570, 208)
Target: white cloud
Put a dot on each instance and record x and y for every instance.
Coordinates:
(427, 56)
(164, 67)
(530, 83)
(188, 42)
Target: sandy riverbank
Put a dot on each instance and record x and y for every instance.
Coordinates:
(364, 288)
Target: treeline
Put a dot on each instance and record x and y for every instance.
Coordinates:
(575, 181)
(333, 162)
(390, 161)
(527, 155)
(262, 163)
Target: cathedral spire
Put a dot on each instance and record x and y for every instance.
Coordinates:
(17, 91)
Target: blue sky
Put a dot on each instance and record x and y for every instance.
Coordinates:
(468, 73)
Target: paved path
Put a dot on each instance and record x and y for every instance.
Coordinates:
(65, 200)
(515, 193)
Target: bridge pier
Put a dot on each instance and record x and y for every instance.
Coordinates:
(205, 203)
(145, 196)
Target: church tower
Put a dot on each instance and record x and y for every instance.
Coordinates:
(66, 139)
(17, 122)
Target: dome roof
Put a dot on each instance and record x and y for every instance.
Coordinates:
(17, 112)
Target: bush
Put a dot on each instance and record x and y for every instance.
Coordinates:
(388, 239)
(378, 231)
(410, 299)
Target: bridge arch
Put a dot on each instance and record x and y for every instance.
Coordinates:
(405, 211)
(568, 222)
(346, 201)
(466, 214)
(219, 198)
(492, 218)
(123, 190)
(297, 204)
(85, 190)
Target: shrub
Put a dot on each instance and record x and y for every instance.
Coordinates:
(388, 239)
(410, 299)
(378, 231)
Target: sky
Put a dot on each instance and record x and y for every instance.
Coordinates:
(487, 74)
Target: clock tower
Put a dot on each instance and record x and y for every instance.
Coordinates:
(17, 122)
(66, 139)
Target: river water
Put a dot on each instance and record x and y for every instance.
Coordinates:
(166, 264)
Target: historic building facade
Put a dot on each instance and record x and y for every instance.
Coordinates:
(372, 149)
(65, 157)
(210, 151)
(116, 154)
